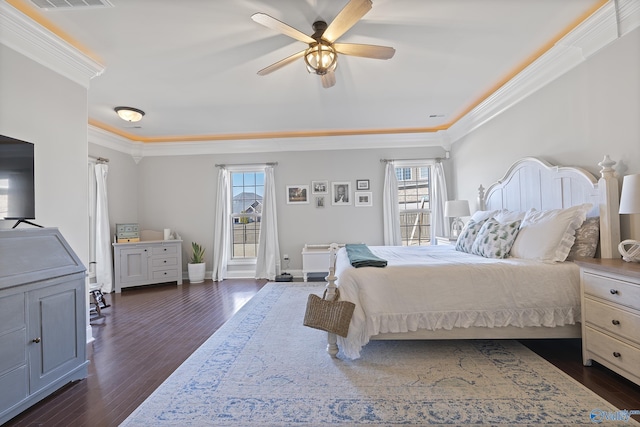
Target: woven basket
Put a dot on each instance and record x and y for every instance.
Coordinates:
(329, 315)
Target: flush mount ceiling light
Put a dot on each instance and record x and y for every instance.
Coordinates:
(129, 114)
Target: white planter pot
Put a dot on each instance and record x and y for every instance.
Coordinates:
(196, 272)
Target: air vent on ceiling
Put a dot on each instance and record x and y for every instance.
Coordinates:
(70, 4)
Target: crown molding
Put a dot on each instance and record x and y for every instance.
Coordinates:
(139, 150)
(610, 22)
(27, 37)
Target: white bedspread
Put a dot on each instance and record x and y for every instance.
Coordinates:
(437, 287)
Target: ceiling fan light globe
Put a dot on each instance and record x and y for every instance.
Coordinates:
(320, 59)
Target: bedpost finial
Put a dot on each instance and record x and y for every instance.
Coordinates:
(607, 166)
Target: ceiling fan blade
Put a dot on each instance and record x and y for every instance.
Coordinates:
(365, 50)
(276, 66)
(348, 16)
(281, 27)
(328, 80)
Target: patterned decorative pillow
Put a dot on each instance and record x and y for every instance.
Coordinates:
(495, 239)
(468, 235)
(587, 237)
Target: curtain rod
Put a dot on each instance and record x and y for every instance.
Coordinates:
(437, 159)
(99, 159)
(248, 164)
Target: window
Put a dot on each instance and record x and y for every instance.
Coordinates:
(247, 191)
(414, 197)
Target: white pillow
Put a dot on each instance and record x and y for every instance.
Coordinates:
(479, 216)
(549, 235)
(505, 216)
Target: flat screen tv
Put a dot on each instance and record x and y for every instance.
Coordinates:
(17, 189)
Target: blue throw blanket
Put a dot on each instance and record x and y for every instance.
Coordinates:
(361, 256)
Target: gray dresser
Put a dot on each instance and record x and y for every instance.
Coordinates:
(43, 317)
(147, 262)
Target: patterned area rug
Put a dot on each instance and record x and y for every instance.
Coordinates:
(263, 368)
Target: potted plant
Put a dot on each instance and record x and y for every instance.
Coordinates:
(196, 265)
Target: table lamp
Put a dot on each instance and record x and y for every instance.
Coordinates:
(630, 204)
(456, 209)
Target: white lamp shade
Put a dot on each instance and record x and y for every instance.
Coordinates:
(630, 197)
(456, 208)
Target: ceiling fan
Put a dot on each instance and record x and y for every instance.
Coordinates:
(321, 57)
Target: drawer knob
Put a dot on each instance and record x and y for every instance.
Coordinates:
(613, 291)
(165, 261)
(616, 354)
(165, 273)
(615, 322)
(36, 340)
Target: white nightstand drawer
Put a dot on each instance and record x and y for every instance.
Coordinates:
(613, 290)
(614, 352)
(168, 275)
(612, 319)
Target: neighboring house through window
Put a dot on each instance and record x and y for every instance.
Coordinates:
(247, 192)
(414, 197)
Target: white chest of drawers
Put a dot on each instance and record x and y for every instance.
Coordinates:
(610, 292)
(145, 263)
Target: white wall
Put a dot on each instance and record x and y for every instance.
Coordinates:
(179, 192)
(591, 111)
(49, 110)
(122, 185)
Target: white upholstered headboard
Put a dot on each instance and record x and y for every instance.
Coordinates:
(534, 183)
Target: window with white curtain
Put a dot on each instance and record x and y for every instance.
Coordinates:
(247, 192)
(91, 177)
(414, 198)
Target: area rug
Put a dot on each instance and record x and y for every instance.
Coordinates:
(264, 368)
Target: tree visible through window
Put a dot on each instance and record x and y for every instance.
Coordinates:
(247, 191)
(414, 197)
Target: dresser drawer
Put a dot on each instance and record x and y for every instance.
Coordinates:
(613, 351)
(168, 250)
(610, 289)
(613, 320)
(164, 262)
(168, 274)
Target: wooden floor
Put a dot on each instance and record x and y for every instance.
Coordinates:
(147, 333)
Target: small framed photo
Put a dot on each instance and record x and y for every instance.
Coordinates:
(363, 199)
(319, 201)
(340, 193)
(362, 184)
(319, 187)
(297, 194)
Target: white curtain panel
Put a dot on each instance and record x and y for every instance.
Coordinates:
(221, 227)
(439, 225)
(268, 257)
(390, 207)
(104, 275)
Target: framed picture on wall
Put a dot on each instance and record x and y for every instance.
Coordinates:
(362, 184)
(319, 187)
(319, 201)
(297, 194)
(341, 193)
(363, 199)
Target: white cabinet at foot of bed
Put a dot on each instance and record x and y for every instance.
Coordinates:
(611, 315)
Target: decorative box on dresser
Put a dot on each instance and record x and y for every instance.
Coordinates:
(43, 316)
(147, 262)
(610, 292)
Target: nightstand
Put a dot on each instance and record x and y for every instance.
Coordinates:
(610, 294)
(446, 240)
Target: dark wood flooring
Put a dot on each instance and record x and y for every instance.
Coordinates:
(147, 333)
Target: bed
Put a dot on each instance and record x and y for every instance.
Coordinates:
(449, 292)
